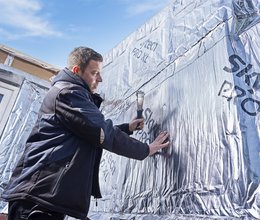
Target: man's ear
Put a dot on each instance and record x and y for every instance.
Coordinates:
(75, 69)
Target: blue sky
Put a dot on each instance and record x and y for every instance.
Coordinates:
(49, 29)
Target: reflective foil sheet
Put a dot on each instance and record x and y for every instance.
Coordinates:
(20, 122)
(198, 64)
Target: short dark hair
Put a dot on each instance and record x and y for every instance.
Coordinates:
(80, 56)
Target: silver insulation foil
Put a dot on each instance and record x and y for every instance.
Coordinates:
(198, 64)
(20, 122)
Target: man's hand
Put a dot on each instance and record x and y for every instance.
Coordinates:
(136, 124)
(158, 143)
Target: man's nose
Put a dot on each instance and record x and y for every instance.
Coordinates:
(99, 79)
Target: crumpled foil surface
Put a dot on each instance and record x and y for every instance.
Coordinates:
(198, 64)
(19, 124)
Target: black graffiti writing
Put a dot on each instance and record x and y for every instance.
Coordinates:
(139, 54)
(249, 105)
(232, 59)
(251, 79)
(108, 165)
(256, 84)
(248, 102)
(149, 45)
(151, 125)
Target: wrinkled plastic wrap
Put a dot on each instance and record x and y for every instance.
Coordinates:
(198, 64)
(19, 125)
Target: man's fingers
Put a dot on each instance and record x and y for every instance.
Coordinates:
(140, 120)
(140, 124)
(160, 142)
(167, 144)
(162, 136)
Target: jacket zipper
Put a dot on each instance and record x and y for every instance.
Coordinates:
(60, 177)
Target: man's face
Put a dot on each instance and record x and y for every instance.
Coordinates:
(92, 75)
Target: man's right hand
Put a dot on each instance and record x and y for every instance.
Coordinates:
(158, 143)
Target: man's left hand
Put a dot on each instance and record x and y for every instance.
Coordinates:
(136, 124)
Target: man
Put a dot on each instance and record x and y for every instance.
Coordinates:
(58, 171)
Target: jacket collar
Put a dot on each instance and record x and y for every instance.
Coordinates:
(66, 75)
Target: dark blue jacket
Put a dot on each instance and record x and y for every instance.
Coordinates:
(59, 167)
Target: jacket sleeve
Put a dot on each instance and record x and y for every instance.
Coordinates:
(125, 128)
(84, 119)
(81, 116)
(120, 143)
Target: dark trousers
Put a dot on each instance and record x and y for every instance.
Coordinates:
(25, 210)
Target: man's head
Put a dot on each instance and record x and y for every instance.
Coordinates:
(86, 63)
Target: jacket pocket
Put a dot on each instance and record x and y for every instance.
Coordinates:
(62, 173)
